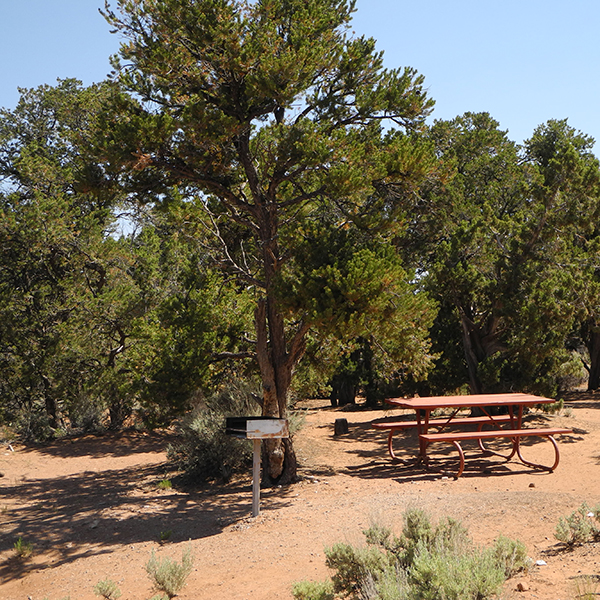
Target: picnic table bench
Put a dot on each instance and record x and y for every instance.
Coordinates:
(395, 425)
(515, 435)
(484, 402)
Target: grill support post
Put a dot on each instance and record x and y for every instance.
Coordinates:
(255, 478)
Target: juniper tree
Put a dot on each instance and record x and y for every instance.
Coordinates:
(274, 129)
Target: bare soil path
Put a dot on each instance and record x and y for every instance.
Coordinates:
(92, 509)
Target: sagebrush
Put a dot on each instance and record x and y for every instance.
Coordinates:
(108, 589)
(581, 526)
(426, 562)
(203, 449)
(169, 576)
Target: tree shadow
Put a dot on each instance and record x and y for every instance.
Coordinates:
(443, 457)
(101, 445)
(579, 399)
(69, 517)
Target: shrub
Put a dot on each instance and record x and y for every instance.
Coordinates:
(426, 562)
(353, 565)
(165, 536)
(578, 527)
(510, 556)
(439, 573)
(169, 576)
(586, 587)
(204, 450)
(22, 548)
(313, 590)
(107, 589)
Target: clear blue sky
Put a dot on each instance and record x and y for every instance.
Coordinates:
(523, 61)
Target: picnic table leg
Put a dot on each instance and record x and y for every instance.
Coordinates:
(488, 451)
(392, 453)
(461, 456)
(422, 427)
(535, 465)
(461, 468)
(390, 448)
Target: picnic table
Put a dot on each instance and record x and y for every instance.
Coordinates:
(446, 425)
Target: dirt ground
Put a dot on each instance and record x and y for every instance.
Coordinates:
(92, 508)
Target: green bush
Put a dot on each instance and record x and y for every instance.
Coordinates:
(425, 562)
(440, 573)
(353, 565)
(578, 527)
(107, 589)
(168, 576)
(22, 548)
(510, 556)
(586, 587)
(313, 590)
(204, 450)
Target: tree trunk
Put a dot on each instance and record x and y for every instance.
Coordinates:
(593, 346)
(276, 363)
(343, 390)
(50, 404)
(468, 333)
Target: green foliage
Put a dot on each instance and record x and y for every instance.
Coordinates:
(443, 573)
(108, 589)
(169, 576)
(510, 555)
(353, 565)
(501, 246)
(67, 301)
(313, 590)
(204, 450)
(426, 562)
(277, 137)
(586, 587)
(22, 549)
(164, 484)
(165, 536)
(578, 527)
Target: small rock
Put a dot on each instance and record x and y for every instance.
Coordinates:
(541, 563)
(532, 484)
(522, 587)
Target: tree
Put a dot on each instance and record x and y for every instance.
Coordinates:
(500, 253)
(268, 119)
(54, 216)
(570, 191)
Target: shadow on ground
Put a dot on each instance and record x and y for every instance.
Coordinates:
(69, 517)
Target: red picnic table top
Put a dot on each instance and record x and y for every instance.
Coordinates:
(476, 400)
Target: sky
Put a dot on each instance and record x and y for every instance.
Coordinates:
(523, 61)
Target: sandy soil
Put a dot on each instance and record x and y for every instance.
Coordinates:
(92, 509)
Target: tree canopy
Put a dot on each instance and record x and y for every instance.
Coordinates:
(269, 119)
